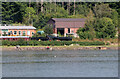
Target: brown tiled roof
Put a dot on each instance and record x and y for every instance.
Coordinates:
(69, 19)
(69, 24)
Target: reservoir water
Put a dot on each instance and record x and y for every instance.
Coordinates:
(66, 63)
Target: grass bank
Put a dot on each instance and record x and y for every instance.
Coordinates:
(74, 47)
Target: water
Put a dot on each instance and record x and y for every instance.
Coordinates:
(75, 63)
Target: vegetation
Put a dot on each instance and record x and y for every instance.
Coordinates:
(100, 24)
(48, 29)
(102, 18)
(48, 43)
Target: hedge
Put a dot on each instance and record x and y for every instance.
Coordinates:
(48, 43)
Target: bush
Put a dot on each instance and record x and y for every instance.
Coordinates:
(48, 43)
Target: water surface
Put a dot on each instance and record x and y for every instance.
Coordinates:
(67, 63)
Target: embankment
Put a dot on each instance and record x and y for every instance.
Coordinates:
(25, 48)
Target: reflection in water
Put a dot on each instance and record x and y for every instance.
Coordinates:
(78, 63)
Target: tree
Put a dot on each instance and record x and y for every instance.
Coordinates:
(41, 5)
(82, 9)
(68, 6)
(115, 17)
(74, 8)
(86, 33)
(99, 28)
(7, 12)
(48, 29)
(29, 16)
(41, 20)
(104, 28)
(102, 10)
(13, 12)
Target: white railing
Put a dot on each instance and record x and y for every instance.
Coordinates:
(14, 36)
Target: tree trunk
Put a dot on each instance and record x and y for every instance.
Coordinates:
(41, 5)
(50, 6)
(68, 7)
(74, 8)
(37, 3)
(55, 6)
(29, 2)
(63, 4)
(29, 13)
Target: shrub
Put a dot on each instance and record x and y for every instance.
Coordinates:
(49, 43)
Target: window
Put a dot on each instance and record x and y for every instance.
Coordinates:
(68, 30)
(32, 33)
(28, 32)
(4, 34)
(19, 32)
(24, 33)
(10, 32)
(4, 31)
(15, 32)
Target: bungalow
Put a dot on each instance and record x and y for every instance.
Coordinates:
(16, 32)
(66, 26)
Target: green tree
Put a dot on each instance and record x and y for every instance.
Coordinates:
(104, 28)
(115, 18)
(7, 13)
(99, 28)
(82, 9)
(55, 11)
(41, 20)
(102, 10)
(12, 12)
(85, 33)
(48, 29)
(29, 16)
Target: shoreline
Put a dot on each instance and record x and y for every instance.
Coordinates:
(27, 48)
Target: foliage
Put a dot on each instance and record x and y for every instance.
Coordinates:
(115, 17)
(99, 28)
(39, 35)
(85, 34)
(82, 9)
(29, 15)
(102, 10)
(41, 20)
(38, 15)
(48, 29)
(105, 28)
(16, 11)
(48, 43)
(12, 12)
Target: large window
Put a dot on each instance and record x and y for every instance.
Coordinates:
(19, 32)
(11, 32)
(4, 31)
(32, 33)
(24, 33)
(28, 32)
(15, 32)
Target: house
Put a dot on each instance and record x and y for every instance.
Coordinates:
(15, 32)
(66, 26)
